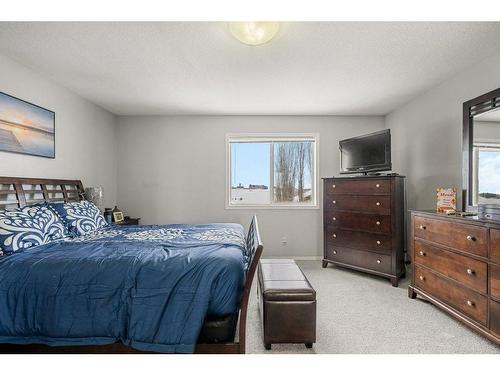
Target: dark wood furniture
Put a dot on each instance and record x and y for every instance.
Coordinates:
(364, 224)
(287, 303)
(19, 192)
(456, 266)
(129, 221)
(481, 104)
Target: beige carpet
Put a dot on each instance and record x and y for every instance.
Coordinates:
(358, 313)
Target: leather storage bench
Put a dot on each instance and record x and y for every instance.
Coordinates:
(287, 303)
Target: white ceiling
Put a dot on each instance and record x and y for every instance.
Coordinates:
(198, 68)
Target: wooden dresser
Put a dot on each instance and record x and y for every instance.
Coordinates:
(363, 221)
(456, 266)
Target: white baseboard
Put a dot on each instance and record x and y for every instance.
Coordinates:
(317, 257)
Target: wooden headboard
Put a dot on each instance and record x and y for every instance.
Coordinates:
(20, 192)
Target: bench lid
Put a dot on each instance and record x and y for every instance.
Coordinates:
(282, 280)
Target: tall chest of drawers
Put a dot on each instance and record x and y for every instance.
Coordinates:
(363, 224)
(456, 266)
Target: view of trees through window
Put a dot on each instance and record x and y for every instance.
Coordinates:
(292, 171)
(272, 172)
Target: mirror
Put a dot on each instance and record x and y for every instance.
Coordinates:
(486, 158)
(481, 151)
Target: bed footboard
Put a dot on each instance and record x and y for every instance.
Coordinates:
(254, 250)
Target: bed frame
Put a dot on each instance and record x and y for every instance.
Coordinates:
(19, 192)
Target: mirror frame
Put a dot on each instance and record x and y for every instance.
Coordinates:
(471, 108)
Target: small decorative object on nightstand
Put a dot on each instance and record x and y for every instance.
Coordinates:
(118, 216)
(108, 215)
(129, 221)
(120, 219)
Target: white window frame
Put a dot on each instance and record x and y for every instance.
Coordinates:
(273, 137)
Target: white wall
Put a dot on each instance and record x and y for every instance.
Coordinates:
(427, 133)
(85, 133)
(172, 170)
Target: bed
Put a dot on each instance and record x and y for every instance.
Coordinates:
(157, 288)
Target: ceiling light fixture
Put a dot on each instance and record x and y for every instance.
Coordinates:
(254, 33)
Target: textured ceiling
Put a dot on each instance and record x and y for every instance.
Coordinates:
(198, 68)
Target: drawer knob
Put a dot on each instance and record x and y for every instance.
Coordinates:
(334, 218)
(378, 242)
(423, 227)
(334, 235)
(470, 271)
(378, 203)
(377, 185)
(422, 278)
(421, 253)
(335, 252)
(378, 222)
(333, 186)
(379, 261)
(334, 202)
(470, 303)
(470, 238)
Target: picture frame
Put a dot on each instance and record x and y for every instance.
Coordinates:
(446, 201)
(26, 128)
(118, 216)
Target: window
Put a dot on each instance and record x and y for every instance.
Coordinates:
(486, 173)
(271, 171)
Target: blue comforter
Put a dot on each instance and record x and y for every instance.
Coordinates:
(148, 286)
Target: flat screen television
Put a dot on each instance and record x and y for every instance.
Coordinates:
(367, 153)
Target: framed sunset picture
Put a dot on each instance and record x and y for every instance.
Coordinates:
(26, 128)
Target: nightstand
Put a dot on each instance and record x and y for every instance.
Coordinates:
(129, 221)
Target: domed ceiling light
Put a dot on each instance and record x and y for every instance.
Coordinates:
(254, 33)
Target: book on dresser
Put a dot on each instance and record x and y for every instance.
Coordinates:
(456, 266)
(364, 224)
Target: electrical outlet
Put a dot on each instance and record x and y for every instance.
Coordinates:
(284, 241)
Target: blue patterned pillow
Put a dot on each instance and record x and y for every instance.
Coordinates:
(27, 227)
(80, 217)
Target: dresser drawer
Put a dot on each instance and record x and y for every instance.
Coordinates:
(338, 254)
(495, 317)
(363, 222)
(363, 259)
(357, 186)
(470, 272)
(468, 238)
(380, 243)
(495, 281)
(495, 245)
(466, 301)
(360, 203)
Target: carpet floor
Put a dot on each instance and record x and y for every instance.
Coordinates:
(359, 313)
